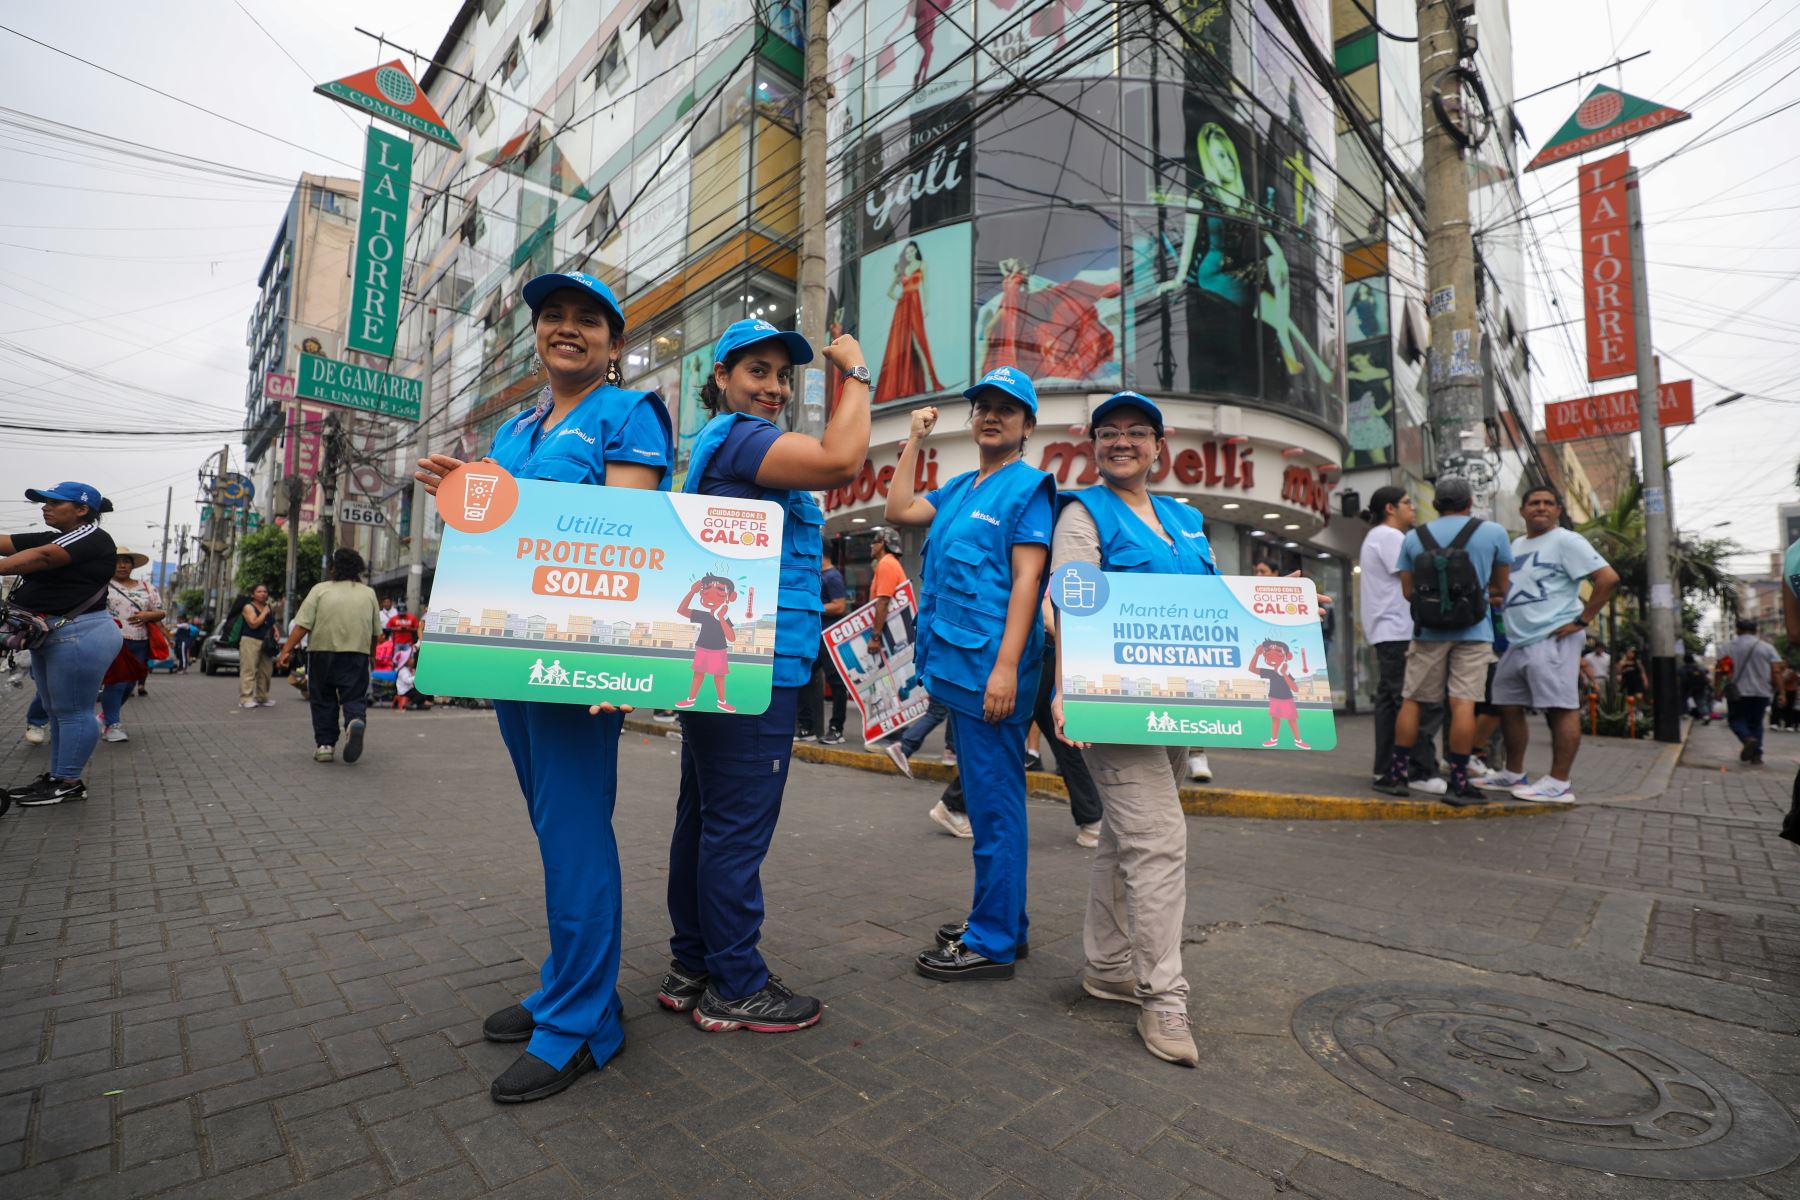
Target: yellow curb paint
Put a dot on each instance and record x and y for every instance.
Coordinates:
(1196, 802)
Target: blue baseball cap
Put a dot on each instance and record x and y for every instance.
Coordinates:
(539, 290)
(1010, 380)
(1120, 400)
(70, 491)
(740, 334)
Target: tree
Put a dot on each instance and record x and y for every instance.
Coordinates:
(1700, 564)
(264, 560)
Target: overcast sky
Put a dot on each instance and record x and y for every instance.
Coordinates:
(145, 273)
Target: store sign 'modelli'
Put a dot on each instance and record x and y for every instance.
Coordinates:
(380, 242)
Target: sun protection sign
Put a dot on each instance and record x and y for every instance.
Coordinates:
(1605, 117)
(388, 93)
(349, 386)
(380, 245)
(1606, 269)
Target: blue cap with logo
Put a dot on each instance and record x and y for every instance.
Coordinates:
(749, 332)
(540, 289)
(71, 492)
(1013, 382)
(1120, 400)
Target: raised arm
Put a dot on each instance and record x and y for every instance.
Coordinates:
(798, 461)
(904, 505)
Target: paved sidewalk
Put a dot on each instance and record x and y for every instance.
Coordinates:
(237, 973)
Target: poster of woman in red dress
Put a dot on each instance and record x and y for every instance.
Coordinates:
(914, 304)
(1049, 330)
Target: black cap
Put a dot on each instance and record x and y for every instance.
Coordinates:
(1452, 494)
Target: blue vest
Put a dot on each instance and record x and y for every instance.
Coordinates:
(798, 608)
(967, 584)
(564, 456)
(1127, 544)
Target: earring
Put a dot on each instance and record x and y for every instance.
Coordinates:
(613, 374)
(537, 365)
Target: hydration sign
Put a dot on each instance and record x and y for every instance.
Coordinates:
(574, 594)
(1229, 661)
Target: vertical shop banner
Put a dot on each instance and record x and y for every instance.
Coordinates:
(1368, 374)
(1182, 660)
(380, 245)
(1048, 295)
(915, 304)
(915, 174)
(1606, 269)
(305, 451)
(917, 57)
(876, 664)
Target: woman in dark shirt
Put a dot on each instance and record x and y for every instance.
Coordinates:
(66, 571)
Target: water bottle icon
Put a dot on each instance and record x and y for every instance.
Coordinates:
(1078, 593)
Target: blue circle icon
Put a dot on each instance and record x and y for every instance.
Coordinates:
(1079, 589)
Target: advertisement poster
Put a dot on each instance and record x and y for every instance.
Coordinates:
(917, 57)
(1047, 286)
(916, 173)
(877, 665)
(915, 314)
(1179, 660)
(1068, 37)
(574, 594)
(1371, 385)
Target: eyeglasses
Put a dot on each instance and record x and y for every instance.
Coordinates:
(1137, 435)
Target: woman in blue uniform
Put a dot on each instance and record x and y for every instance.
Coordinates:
(583, 429)
(1137, 898)
(980, 642)
(734, 766)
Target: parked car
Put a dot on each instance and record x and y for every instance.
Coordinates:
(218, 656)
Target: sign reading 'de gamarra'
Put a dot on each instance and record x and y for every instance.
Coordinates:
(1186, 660)
(380, 245)
(332, 382)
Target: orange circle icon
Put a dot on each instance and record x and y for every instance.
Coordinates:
(477, 497)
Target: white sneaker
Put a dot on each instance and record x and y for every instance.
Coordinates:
(1087, 836)
(115, 733)
(1502, 779)
(898, 756)
(1434, 786)
(1544, 791)
(266, 703)
(949, 757)
(36, 735)
(955, 824)
(1199, 770)
(1479, 770)
(246, 704)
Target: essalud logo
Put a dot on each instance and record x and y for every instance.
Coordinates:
(557, 675)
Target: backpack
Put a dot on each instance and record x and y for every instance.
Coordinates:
(1447, 589)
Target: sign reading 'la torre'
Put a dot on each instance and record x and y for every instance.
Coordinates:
(331, 382)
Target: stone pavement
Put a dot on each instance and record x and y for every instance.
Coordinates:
(236, 973)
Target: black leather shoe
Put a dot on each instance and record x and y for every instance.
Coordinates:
(531, 1078)
(511, 1024)
(956, 962)
(954, 931)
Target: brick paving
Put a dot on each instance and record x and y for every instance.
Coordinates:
(237, 973)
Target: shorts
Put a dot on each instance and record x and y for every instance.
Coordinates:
(1544, 674)
(1434, 669)
(712, 662)
(1283, 710)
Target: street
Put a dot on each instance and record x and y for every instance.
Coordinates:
(234, 972)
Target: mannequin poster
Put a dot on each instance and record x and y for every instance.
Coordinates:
(915, 314)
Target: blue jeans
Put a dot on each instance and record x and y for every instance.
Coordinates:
(37, 715)
(113, 699)
(68, 669)
(1745, 715)
(919, 730)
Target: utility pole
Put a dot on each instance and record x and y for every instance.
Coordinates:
(162, 561)
(1457, 414)
(328, 488)
(296, 489)
(810, 412)
(1664, 685)
(421, 503)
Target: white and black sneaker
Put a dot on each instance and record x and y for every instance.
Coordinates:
(353, 739)
(50, 791)
(831, 737)
(681, 988)
(13, 793)
(774, 1009)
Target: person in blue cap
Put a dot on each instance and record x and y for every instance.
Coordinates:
(734, 766)
(980, 639)
(66, 574)
(1137, 895)
(584, 429)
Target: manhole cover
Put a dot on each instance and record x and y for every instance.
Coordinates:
(1542, 1079)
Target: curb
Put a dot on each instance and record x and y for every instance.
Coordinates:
(1195, 801)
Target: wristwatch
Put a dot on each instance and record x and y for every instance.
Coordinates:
(1581, 621)
(859, 373)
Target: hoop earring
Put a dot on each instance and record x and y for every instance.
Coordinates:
(613, 374)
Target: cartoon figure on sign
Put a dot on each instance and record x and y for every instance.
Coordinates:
(1277, 656)
(714, 594)
(537, 671)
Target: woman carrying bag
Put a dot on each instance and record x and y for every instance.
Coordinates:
(137, 609)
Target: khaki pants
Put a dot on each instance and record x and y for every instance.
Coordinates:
(1137, 897)
(256, 667)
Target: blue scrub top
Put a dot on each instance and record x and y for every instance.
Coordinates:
(611, 425)
(732, 469)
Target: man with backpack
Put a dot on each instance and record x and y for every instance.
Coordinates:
(1452, 571)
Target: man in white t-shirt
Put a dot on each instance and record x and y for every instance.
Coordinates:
(1387, 626)
(1546, 627)
(1597, 667)
(1750, 686)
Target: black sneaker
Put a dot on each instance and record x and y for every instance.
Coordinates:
(954, 933)
(1034, 762)
(50, 791)
(15, 792)
(774, 1009)
(353, 739)
(1392, 785)
(681, 988)
(531, 1078)
(511, 1024)
(831, 737)
(1465, 796)
(956, 962)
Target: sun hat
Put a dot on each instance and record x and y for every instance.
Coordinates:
(137, 560)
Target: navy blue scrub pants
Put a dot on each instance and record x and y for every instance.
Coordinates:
(733, 771)
(991, 759)
(568, 768)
